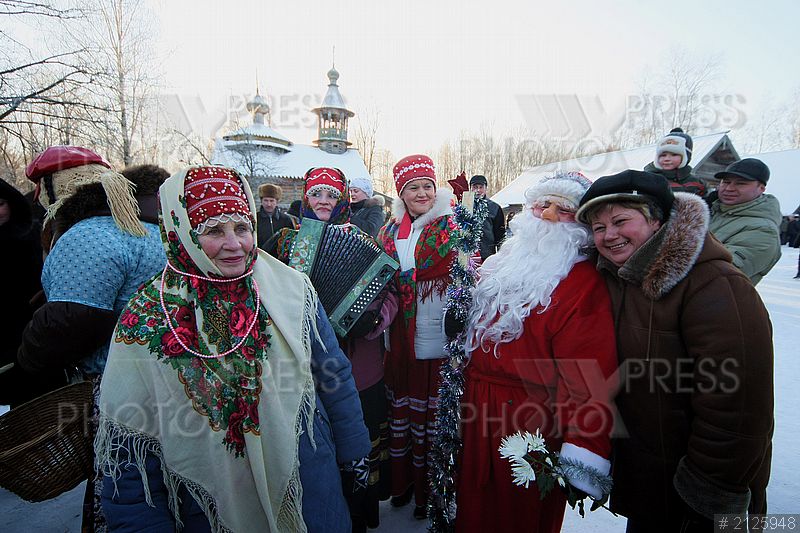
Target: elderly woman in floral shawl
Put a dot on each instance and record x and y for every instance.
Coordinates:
(419, 237)
(326, 198)
(226, 403)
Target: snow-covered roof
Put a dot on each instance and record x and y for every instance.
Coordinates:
(784, 177)
(258, 132)
(607, 163)
(292, 164)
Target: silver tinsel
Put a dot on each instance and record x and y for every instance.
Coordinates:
(447, 443)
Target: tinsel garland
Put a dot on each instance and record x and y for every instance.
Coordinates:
(447, 443)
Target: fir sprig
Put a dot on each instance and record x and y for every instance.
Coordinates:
(532, 461)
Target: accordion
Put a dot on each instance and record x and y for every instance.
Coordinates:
(347, 271)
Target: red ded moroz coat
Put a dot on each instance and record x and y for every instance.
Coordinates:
(557, 377)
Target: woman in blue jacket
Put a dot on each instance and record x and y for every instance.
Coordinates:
(227, 404)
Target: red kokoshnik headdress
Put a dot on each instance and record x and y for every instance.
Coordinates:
(213, 191)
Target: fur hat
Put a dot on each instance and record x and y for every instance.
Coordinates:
(147, 178)
(628, 185)
(268, 190)
(565, 189)
(363, 183)
(412, 168)
(675, 142)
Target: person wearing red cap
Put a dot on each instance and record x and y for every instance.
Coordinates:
(420, 236)
(227, 404)
(326, 198)
(101, 245)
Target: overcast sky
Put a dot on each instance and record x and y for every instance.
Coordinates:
(436, 68)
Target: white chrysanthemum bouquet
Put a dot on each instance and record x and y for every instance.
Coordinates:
(532, 461)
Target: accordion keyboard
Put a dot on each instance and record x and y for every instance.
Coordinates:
(348, 269)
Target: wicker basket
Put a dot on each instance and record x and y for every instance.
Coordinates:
(46, 443)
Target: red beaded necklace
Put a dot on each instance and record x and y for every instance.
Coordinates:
(211, 280)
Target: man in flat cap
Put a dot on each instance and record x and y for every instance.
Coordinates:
(494, 227)
(745, 219)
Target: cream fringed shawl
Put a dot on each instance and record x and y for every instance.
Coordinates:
(228, 429)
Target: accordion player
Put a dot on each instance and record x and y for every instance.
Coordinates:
(348, 271)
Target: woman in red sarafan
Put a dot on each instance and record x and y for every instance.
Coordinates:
(420, 237)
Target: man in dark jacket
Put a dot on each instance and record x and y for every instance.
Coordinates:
(20, 270)
(270, 217)
(494, 227)
(366, 210)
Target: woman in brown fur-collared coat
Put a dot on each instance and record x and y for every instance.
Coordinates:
(695, 348)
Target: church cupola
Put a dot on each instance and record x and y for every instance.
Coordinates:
(333, 117)
(259, 107)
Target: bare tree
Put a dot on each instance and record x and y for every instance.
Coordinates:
(767, 131)
(195, 152)
(675, 93)
(42, 9)
(383, 164)
(794, 120)
(365, 136)
(42, 89)
(119, 46)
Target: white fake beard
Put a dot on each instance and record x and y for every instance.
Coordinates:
(522, 276)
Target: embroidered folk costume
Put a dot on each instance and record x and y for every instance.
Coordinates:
(363, 346)
(424, 247)
(542, 347)
(209, 414)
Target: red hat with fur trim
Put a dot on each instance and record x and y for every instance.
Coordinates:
(411, 168)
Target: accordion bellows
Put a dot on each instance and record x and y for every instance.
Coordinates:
(347, 271)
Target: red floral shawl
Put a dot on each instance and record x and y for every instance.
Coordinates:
(434, 253)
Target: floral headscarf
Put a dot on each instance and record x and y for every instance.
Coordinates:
(220, 374)
(208, 318)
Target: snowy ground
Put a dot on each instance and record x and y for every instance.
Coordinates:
(781, 294)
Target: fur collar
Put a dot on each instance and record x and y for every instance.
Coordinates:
(375, 201)
(441, 207)
(664, 260)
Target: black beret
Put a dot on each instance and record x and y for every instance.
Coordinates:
(628, 185)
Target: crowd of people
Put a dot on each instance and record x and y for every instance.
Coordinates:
(226, 401)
